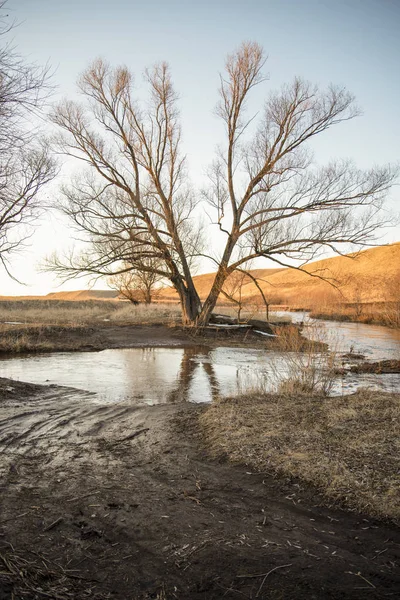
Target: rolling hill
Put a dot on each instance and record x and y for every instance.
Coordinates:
(369, 276)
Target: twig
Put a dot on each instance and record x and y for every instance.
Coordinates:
(53, 524)
(378, 553)
(84, 496)
(251, 576)
(362, 577)
(269, 573)
(14, 518)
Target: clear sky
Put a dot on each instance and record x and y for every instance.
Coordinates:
(349, 42)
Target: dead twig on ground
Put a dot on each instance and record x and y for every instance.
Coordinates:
(84, 496)
(15, 518)
(53, 524)
(362, 577)
(269, 573)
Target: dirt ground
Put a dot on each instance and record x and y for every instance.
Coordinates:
(119, 501)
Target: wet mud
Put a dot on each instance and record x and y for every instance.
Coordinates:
(120, 501)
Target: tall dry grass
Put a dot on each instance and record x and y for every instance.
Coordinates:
(90, 312)
(346, 446)
(309, 363)
(378, 313)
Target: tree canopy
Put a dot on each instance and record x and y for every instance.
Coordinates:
(267, 197)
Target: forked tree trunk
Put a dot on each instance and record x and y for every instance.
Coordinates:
(208, 307)
(212, 298)
(190, 304)
(220, 278)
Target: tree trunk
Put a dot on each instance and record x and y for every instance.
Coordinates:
(239, 312)
(212, 298)
(190, 303)
(147, 295)
(191, 307)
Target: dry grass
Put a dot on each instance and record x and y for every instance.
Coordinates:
(252, 311)
(58, 312)
(168, 314)
(348, 447)
(91, 312)
(47, 338)
(378, 313)
(310, 363)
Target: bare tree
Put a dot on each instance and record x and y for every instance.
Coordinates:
(25, 164)
(269, 199)
(137, 285)
(233, 289)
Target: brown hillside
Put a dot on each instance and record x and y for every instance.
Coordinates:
(72, 296)
(204, 282)
(368, 276)
(83, 295)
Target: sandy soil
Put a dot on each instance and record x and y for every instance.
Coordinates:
(118, 501)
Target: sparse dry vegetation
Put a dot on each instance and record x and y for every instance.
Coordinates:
(379, 313)
(47, 338)
(310, 362)
(57, 312)
(46, 326)
(348, 447)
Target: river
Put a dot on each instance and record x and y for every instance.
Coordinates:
(200, 373)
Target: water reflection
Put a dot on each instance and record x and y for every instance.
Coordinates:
(141, 375)
(159, 375)
(197, 380)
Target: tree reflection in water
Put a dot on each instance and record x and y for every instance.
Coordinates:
(196, 361)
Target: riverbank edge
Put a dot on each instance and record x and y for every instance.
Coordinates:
(342, 317)
(19, 339)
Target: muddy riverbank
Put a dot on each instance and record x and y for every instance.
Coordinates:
(21, 338)
(119, 501)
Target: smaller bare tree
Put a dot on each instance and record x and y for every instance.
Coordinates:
(138, 284)
(234, 288)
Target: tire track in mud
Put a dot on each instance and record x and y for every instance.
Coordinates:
(60, 421)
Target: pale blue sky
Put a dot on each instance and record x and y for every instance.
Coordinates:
(349, 42)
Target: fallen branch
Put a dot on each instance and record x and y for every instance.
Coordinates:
(53, 524)
(84, 496)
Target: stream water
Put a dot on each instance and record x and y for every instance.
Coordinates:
(199, 374)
